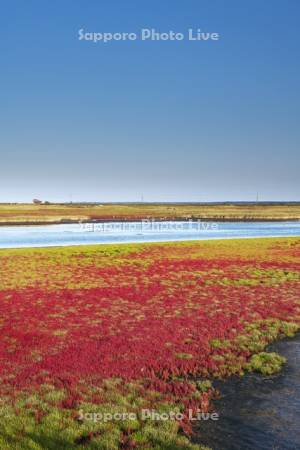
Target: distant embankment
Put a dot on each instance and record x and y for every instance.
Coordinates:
(30, 214)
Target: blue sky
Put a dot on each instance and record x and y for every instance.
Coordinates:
(174, 121)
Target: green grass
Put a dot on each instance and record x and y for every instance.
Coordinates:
(38, 422)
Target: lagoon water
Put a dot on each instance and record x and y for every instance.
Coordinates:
(258, 412)
(126, 232)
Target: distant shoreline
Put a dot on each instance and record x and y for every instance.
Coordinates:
(72, 213)
(129, 220)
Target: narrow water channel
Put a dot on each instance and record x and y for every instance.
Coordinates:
(144, 231)
(258, 412)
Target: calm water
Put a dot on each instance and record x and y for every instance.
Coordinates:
(121, 232)
(258, 412)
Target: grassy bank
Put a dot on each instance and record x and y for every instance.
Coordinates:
(63, 213)
(119, 329)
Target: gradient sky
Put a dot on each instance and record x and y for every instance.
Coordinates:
(184, 121)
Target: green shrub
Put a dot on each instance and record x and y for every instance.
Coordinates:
(266, 363)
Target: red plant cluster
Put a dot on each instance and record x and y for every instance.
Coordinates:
(146, 312)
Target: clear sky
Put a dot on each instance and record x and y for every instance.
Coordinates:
(172, 120)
